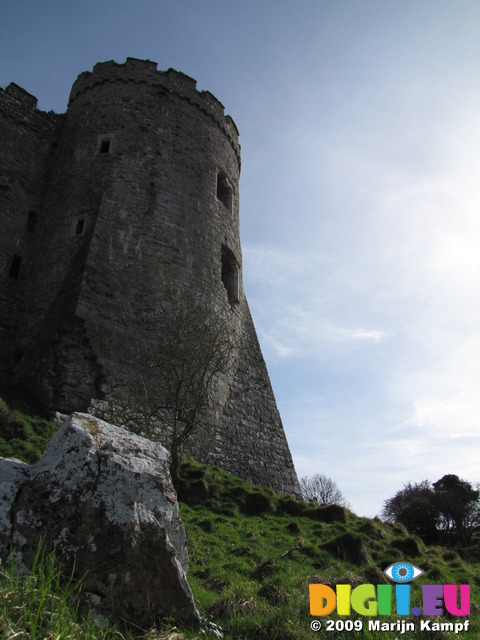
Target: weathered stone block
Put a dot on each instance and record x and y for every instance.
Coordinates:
(104, 499)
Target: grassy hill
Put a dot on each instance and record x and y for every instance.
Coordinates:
(253, 553)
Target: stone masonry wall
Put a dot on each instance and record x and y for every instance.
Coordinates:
(142, 194)
(29, 138)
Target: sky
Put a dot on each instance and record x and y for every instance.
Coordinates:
(359, 124)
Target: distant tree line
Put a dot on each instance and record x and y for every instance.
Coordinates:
(443, 512)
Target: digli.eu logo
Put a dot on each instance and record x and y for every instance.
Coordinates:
(373, 600)
(402, 572)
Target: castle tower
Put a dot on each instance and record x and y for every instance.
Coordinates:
(135, 187)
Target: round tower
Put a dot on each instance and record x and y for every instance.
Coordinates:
(143, 194)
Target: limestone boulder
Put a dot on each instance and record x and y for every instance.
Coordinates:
(104, 498)
(13, 474)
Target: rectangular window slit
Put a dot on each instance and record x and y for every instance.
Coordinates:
(31, 221)
(15, 267)
(224, 191)
(105, 146)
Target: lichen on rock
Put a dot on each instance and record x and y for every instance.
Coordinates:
(103, 498)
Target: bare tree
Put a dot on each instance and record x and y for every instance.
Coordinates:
(322, 489)
(187, 346)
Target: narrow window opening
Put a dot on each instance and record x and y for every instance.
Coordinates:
(224, 191)
(80, 227)
(230, 275)
(105, 146)
(15, 265)
(104, 143)
(31, 221)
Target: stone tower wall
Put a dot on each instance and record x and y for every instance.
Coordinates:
(143, 194)
(29, 138)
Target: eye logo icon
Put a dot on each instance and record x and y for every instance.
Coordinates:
(403, 572)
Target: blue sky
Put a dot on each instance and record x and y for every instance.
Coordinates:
(359, 123)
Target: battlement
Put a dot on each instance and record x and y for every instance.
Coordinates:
(20, 108)
(129, 195)
(22, 98)
(170, 82)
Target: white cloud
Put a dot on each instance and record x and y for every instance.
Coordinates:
(297, 305)
(386, 281)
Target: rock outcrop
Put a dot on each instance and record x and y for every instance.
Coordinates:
(103, 498)
(13, 474)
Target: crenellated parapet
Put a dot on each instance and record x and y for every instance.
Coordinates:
(132, 193)
(24, 100)
(20, 108)
(170, 82)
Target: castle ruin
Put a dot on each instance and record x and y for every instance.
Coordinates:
(135, 186)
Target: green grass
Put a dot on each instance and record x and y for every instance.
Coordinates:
(252, 553)
(23, 434)
(43, 604)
